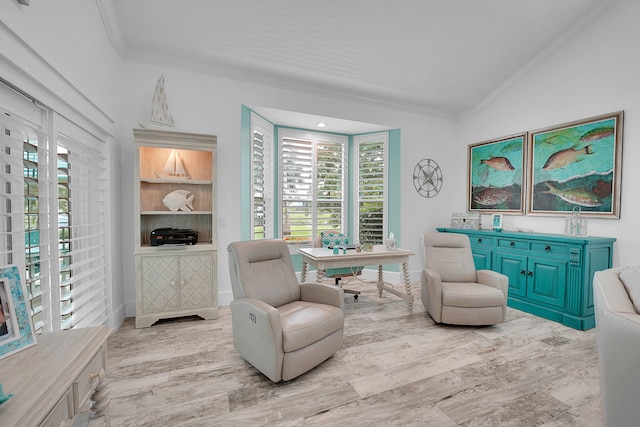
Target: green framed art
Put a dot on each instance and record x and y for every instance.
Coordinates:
(576, 164)
(496, 174)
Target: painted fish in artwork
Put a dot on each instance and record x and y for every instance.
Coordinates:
(498, 163)
(179, 200)
(491, 196)
(565, 157)
(576, 196)
(597, 133)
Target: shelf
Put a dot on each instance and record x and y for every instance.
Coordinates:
(175, 213)
(176, 181)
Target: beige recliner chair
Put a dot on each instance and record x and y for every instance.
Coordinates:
(618, 334)
(282, 327)
(453, 291)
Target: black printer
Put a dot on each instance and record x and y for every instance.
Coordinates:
(173, 236)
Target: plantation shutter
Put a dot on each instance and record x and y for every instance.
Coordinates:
(54, 213)
(261, 179)
(371, 189)
(83, 219)
(26, 238)
(330, 178)
(297, 186)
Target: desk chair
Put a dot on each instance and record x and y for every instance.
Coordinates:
(329, 239)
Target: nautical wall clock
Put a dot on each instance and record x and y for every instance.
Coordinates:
(427, 178)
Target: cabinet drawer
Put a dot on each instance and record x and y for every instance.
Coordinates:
(549, 248)
(513, 244)
(62, 412)
(481, 241)
(87, 381)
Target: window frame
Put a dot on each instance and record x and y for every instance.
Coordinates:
(315, 138)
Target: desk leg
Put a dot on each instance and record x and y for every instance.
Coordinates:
(380, 281)
(407, 286)
(303, 273)
(320, 275)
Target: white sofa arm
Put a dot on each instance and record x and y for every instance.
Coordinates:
(493, 279)
(618, 336)
(431, 293)
(257, 335)
(322, 294)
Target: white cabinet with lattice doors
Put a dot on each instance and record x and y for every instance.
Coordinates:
(175, 191)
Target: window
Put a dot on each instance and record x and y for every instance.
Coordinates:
(312, 184)
(261, 178)
(54, 214)
(371, 181)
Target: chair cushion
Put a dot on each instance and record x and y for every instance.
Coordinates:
(630, 278)
(333, 239)
(471, 295)
(304, 323)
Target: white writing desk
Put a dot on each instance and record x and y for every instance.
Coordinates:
(322, 259)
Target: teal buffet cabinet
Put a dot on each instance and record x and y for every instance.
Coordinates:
(550, 275)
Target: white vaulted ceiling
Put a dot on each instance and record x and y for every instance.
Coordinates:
(439, 56)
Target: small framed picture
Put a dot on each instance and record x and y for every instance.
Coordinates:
(496, 221)
(16, 326)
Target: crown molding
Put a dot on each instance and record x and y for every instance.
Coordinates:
(108, 15)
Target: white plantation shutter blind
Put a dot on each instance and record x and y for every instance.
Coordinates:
(54, 214)
(297, 190)
(371, 188)
(330, 185)
(312, 185)
(261, 178)
(83, 217)
(25, 234)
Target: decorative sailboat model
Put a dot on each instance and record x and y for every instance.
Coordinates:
(160, 116)
(173, 168)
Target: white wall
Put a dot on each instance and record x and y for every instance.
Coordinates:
(59, 53)
(596, 73)
(206, 104)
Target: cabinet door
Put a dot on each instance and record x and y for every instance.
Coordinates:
(513, 266)
(196, 281)
(159, 284)
(546, 280)
(482, 259)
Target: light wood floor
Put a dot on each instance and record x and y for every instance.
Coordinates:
(394, 368)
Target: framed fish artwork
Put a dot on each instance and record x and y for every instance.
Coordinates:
(576, 164)
(496, 174)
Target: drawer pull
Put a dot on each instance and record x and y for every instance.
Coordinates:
(479, 240)
(530, 273)
(523, 272)
(512, 244)
(547, 248)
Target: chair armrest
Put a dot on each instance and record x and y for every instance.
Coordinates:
(431, 293)
(322, 294)
(257, 335)
(493, 279)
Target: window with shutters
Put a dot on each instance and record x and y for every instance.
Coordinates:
(55, 213)
(261, 178)
(312, 184)
(371, 182)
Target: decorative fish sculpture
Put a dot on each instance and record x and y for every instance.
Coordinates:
(491, 196)
(576, 196)
(179, 200)
(597, 133)
(498, 163)
(565, 157)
